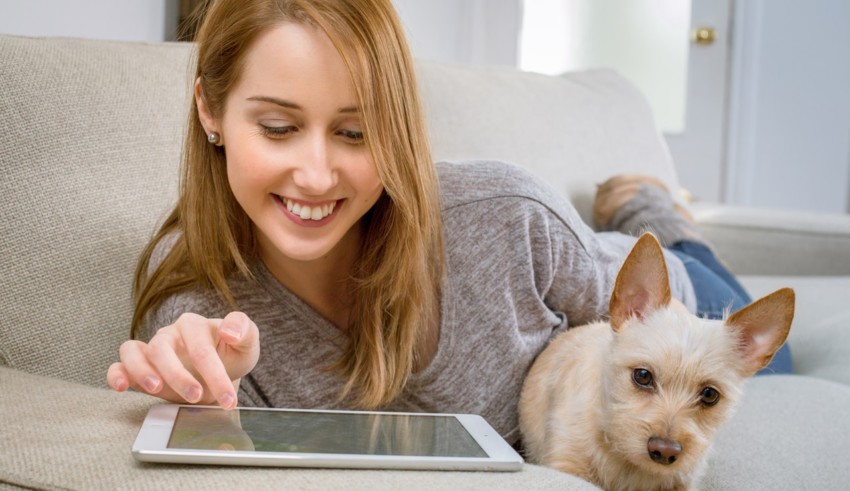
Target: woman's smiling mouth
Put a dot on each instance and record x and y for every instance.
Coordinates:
(308, 212)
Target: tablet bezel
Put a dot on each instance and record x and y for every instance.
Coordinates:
(151, 445)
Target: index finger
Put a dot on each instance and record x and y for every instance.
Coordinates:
(201, 347)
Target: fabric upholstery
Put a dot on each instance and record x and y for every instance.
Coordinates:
(79, 437)
(790, 432)
(757, 241)
(89, 154)
(594, 125)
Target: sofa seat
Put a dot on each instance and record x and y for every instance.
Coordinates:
(60, 435)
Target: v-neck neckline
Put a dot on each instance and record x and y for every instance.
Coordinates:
(318, 322)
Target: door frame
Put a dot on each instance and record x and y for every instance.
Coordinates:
(699, 151)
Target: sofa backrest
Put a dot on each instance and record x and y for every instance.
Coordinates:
(575, 130)
(89, 154)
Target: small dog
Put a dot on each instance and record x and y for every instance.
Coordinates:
(634, 403)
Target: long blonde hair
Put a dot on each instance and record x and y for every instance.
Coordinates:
(397, 276)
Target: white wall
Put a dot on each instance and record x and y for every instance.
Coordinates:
(474, 32)
(122, 20)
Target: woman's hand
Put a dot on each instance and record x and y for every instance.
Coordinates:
(194, 360)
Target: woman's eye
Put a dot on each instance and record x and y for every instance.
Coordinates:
(642, 378)
(351, 135)
(277, 131)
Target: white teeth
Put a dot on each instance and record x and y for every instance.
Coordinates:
(310, 212)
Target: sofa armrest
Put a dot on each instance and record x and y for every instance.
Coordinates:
(758, 241)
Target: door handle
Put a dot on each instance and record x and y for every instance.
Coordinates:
(704, 35)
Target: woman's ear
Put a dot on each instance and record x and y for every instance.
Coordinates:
(209, 122)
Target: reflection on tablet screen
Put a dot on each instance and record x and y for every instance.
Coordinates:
(311, 432)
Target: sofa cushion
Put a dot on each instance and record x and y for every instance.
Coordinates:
(79, 437)
(89, 152)
(574, 131)
(820, 334)
(790, 432)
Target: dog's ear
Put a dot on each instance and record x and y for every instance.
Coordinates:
(762, 327)
(642, 284)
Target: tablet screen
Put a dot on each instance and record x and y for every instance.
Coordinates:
(318, 432)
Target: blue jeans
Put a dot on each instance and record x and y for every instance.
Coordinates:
(717, 290)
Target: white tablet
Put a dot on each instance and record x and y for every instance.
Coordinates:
(322, 438)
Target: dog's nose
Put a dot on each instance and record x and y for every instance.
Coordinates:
(663, 451)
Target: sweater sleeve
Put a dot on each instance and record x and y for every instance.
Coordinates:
(583, 264)
(573, 268)
(190, 300)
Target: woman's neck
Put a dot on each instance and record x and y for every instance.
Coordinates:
(323, 283)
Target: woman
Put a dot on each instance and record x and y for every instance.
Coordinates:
(318, 258)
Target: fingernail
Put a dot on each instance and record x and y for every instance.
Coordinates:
(232, 331)
(227, 401)
(193, 393)
(150, 383)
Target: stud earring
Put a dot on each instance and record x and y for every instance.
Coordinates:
(213, 137)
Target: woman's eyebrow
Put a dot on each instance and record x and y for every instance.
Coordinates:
(275, 100)
(292, 105)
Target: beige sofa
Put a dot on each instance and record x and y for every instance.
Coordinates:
(90, 135)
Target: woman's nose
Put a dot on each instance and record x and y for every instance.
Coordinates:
(315, 173)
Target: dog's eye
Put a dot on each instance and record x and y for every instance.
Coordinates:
(709, 396)
(642, 377)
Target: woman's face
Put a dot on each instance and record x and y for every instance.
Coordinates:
(296, 158)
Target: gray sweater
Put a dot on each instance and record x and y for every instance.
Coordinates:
(520, 266)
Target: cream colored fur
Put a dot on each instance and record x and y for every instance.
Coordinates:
(582, 411)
